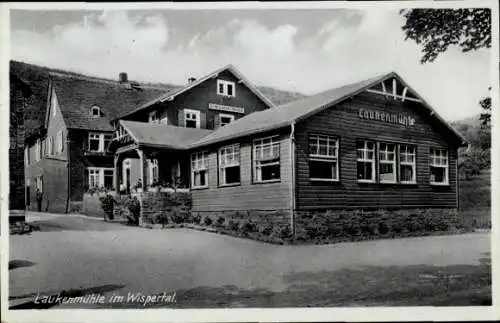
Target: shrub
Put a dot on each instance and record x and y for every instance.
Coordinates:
(107, 204)
(267, 230)
(207, 221)
(285, 232)
(233, 225)
(248, 226)
(220, 221)
(177, 216)
(196, 218)
(162, 218)
(134, 207)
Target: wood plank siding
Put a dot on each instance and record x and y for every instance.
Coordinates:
(343, 121)
(248, 195)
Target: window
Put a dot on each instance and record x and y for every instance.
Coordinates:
(407, 164)
(100, 177)
(54, 110)
(226, 88)
(98, 142)
(438, 163)
(191, 118)
(94, 142)
(266, 159)
(153, 117)
(60, 142)
(365, 152)
(50, 146)
(199, 170)
(229, 165)
(153, 170)
(95, 111)
(387, 162)
(108, 178)
(323, 158)
(38, 150)
(225, 119)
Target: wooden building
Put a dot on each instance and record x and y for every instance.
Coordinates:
(375, 144)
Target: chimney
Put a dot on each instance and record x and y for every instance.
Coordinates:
(122, 77)
(191, 80)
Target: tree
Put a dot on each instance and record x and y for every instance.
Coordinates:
(438, 29)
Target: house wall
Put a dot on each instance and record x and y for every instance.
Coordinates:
(52, 168)
(198, 98)
(344, 122)
(16, 145)
(247, 195)
(80, 161)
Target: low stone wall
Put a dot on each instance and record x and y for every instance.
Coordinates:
(351, 225)
(258, 224)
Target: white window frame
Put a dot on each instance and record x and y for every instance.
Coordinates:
(152, 167)
(54, 110)
(153, 117)
(50, 146)
(38, 148)
(364, 159)
(99, 172)
(229, 156)
(95, 108)
(194, 112)
(274, 145)
(317, 155)
(224, 115)
(440, 160)
(100, 137)
(386, 161)
(60, 143)
(199, 163)
(405, 162)
(225, 84)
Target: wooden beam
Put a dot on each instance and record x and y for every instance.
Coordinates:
(394, 83)
(404, 93)
(397, 96)
(384, 90)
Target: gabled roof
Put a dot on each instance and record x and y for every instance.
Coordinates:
(77, 94)
(162, 136)
(170, 95)
(295, 111)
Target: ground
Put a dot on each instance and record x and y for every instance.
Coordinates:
(76, 256)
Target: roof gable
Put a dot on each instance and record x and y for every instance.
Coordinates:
(170, 95)
(295, 111)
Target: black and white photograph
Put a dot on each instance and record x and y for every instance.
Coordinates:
(181, 157)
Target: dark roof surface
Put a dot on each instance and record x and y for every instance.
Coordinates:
(182, 89)
(163, 136)
(283, 115)
(78, 94)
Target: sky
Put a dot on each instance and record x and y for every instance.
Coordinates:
(308, 51)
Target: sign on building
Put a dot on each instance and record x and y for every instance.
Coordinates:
(226, 108)
(395, 118)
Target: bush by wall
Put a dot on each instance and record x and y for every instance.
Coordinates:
(108, 204)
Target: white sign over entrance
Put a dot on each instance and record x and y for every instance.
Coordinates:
(386, 117)
(226, 108)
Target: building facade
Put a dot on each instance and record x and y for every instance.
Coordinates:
(375, 144)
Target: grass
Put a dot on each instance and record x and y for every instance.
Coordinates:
(475, 201)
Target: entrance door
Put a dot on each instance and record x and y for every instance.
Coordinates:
(127, 179)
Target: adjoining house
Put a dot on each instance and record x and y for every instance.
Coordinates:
(375, 144)
(66, 156)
